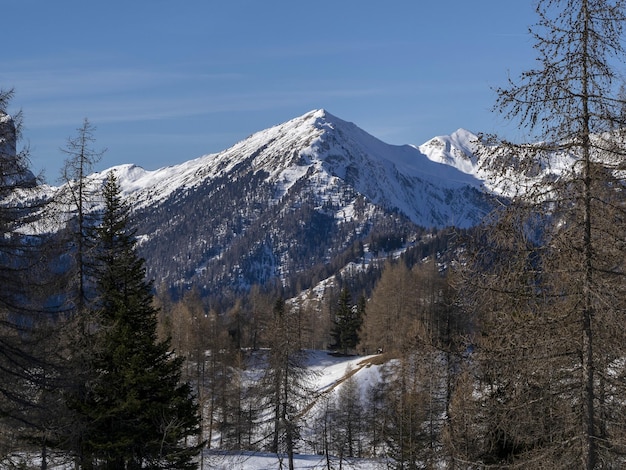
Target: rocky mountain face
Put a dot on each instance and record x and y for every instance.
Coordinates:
(295, 204)
(13, 173)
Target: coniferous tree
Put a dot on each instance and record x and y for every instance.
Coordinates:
(18, 252)
(77, 199)
(376, 416)
(411, 313)
(348, 321)
(406, 434)
(391, 311)
(139, 414)
(348, 420)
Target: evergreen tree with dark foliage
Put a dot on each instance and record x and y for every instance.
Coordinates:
(348, 322)
(139, 414)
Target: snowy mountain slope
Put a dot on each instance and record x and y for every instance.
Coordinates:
(457, 150)
(323, 148)
(500, 172)
(293, 203)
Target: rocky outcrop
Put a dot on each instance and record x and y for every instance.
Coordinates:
(14, 172)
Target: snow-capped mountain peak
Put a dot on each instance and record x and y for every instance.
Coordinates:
(325, 150)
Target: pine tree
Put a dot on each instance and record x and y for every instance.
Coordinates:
(348, 322)
(139, 414)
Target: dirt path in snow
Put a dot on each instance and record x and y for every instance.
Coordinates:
(370, 361)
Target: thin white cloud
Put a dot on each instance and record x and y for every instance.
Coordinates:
(64, 97)
(41, 82)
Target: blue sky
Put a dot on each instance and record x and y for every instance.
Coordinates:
(166, 81)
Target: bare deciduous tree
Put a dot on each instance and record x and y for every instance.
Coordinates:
(286, 381)
(79, 200)
(549, 274)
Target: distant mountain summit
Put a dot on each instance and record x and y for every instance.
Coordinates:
(457, 150)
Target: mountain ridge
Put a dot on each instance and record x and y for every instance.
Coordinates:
(291, 205)
(318, 142)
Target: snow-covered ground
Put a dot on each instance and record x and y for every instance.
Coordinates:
(331, 369)
(328, 373)
(217, 460)
(261, 461)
